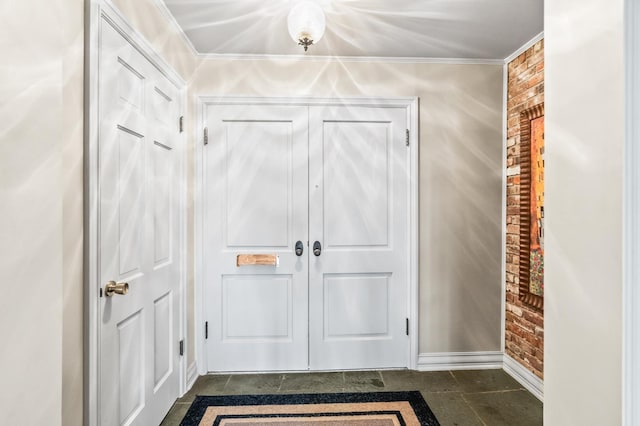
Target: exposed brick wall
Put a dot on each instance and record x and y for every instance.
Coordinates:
(525, 325)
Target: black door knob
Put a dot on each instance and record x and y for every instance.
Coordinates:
(317, 248)
(299, 248)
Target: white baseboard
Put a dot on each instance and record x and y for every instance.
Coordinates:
(459, 361)
(192, 374)
(443, 361)
(526, 378)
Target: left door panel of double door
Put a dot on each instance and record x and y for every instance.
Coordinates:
(138, 235)
(256, 202)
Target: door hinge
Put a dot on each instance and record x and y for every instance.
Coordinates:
(181, 345)
(407, 139)
(407, 331)
(181, 123)
(206, 329)
(206, 135)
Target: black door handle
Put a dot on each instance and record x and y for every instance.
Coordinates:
(299, 248)
(317, 248)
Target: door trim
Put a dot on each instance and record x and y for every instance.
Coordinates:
(410, 104)
(95, 10)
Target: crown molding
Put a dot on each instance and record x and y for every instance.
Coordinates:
(318, 58)
(162, 7)
(524, 47)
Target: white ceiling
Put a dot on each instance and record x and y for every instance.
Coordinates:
(460, 29)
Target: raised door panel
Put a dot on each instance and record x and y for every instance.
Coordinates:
(130, 201)
(130, 84)
(356, 184)
(356, 306)
(162, 192)
(258, 181)
(131, 374)
(257, 308)
(161, 105)
(163, 339)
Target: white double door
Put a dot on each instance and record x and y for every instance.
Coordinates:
(334, 177)
(138, 235)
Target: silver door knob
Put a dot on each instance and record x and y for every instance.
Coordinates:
(113, 287)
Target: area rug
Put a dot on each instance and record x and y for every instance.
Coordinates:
(325, 409)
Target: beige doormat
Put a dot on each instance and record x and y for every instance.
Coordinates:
(327, 409)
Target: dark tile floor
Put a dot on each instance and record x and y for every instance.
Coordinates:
(478, 397)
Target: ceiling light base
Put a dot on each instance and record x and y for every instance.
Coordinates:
(305, 42)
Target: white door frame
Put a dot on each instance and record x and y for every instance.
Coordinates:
(95, 10)
(411, 104)
(631, 227)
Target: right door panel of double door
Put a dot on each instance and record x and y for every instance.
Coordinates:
(343, 173)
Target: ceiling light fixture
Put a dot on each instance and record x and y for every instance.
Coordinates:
(306, 23)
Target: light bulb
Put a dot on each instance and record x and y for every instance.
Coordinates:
(306, 23)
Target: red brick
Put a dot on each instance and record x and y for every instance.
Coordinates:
(513, 249)
(524, 332)
(534, 318)
(513, 200)
(535, 59)
(534, 80)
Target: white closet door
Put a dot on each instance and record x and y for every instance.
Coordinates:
(255, 174)
(358, 212)
(138, 236)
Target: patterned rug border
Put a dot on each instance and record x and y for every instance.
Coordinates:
(414, 398)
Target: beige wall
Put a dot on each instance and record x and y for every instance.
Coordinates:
(460, 175)
(72, 213)
(40, 257)
(584, 159)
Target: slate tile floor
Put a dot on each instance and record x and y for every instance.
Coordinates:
(458, 398)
